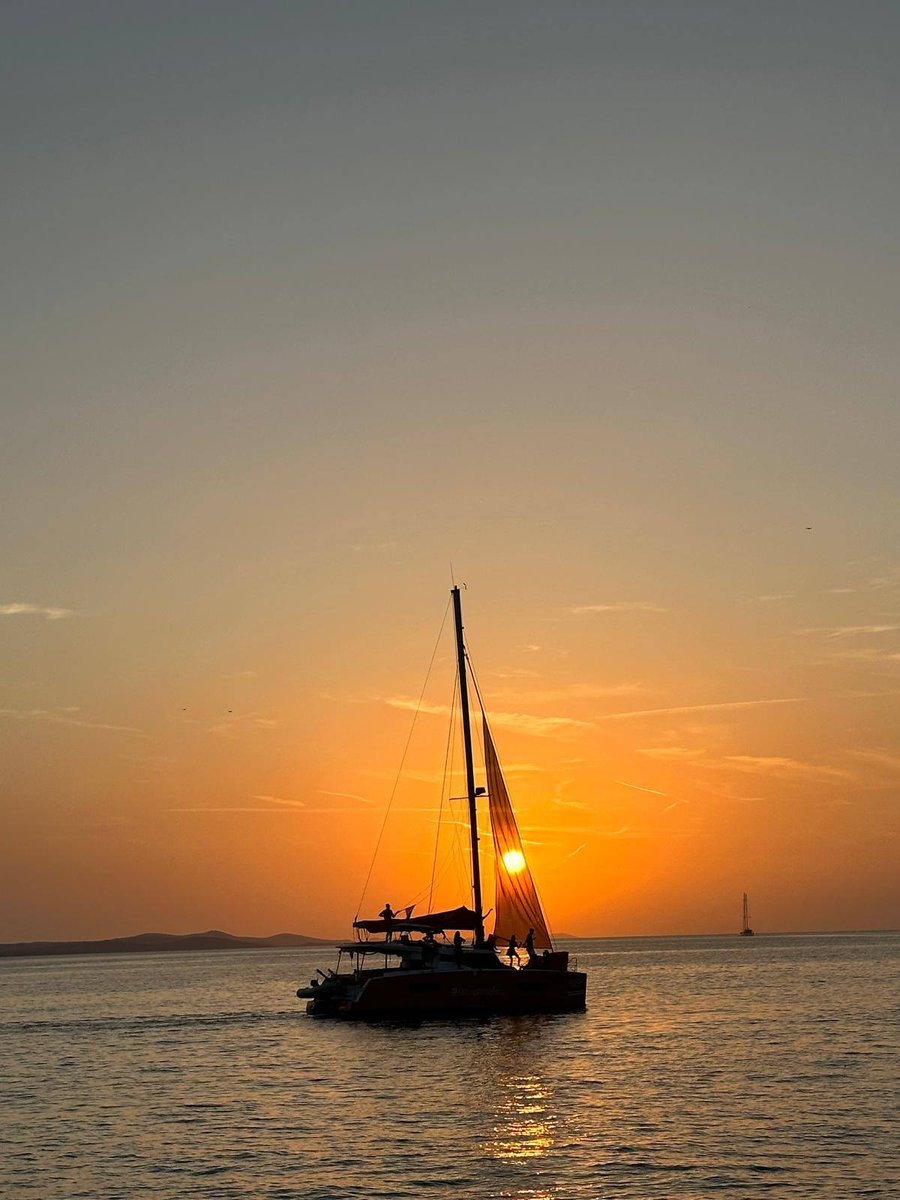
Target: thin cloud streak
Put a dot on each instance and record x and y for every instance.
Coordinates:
(279, 800)
(785, 767)
(583, 610)
(343, 795)
(48, 612)
(845, 631)
(57, 718)
(878, 758)
(637, 787)
(670, 752)
(692, 708)
(522, 722)
(299, 811)
(574, 691)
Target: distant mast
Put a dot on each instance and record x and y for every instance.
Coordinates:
(746, 931)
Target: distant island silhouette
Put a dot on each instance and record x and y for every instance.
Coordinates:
(151, 943)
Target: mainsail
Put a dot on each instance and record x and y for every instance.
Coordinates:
(516, 906)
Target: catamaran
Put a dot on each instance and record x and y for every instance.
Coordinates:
(432, 974)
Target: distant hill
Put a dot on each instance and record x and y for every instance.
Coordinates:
(151, 943)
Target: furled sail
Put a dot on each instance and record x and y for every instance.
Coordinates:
(517, 906)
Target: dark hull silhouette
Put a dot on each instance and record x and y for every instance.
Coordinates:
(405, 995)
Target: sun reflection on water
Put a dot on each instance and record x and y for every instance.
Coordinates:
(523, 1125)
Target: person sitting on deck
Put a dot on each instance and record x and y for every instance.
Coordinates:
(513, 950)
(529, 946)
(387, 914)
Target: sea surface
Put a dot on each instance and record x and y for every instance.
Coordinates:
(703, 1067)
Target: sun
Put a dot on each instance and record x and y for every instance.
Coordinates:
(514, 861)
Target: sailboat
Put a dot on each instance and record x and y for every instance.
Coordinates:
(434, 970)
(746, 931)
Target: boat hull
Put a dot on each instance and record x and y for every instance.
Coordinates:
(414, 995)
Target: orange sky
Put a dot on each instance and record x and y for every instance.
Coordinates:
(304, 303)
(648, 798)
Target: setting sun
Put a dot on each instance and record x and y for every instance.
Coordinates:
(514, 861)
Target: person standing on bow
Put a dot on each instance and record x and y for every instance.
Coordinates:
(513, 951)
(387, 914)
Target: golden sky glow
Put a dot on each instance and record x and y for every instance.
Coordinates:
(304, 302)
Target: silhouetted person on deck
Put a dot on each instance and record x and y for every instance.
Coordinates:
(457, 948)
(529, 946)
(513, 951)
(387, 914)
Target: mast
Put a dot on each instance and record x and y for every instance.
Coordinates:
(470, 768)
(746, 914)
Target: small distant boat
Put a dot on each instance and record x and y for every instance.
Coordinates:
(746, 931)
(440, 972)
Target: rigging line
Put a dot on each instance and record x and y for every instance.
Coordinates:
(444, 788)
(445, 797)
(402, 760)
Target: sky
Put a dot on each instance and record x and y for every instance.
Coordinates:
(309, 309)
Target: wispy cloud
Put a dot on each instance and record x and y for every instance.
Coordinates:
(238, 808)
(538, 726)
(577, 850)
(627, 832)
(848, 631)
(890, 578)
(285, 809)
(521, 722)
(371, 547)
(785, 768)
(343, 795)
(559, 798)
(638, 788)
(885, 759)
(670, 752)
(279, 800)
(867, 654)
(564, 802)
(693, 708)
(48, 612)
(773, 598)
(63, 717)
(571, 691)
(584, 610)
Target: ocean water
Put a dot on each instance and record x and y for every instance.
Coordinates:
(703, 1067)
